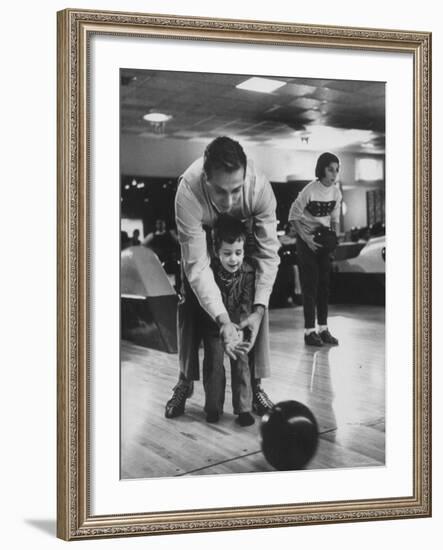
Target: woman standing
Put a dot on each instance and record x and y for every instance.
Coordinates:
(317, 207)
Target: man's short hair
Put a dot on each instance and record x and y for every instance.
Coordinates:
(227, 229)
(224, 153)
(323, 161)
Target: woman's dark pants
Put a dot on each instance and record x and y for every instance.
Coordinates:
(314, 270)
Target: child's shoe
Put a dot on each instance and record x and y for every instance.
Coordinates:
(212, 417)
(245, 419)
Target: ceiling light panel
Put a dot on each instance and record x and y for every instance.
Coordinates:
(263, 85)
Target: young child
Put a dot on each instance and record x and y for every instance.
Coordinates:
(235, 277)
(316, 206)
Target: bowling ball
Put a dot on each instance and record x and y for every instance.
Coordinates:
(326, 238)
(289, 435)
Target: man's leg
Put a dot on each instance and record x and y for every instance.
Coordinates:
(189, 338)
(260, 367)
(261, 403)
(259, 357)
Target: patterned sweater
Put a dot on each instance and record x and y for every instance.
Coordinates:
(316, 205)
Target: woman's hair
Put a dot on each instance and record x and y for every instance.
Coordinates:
(323, 161)
(227, 229)
(223, 153)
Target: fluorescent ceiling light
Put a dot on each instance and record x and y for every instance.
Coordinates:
(265, 85)
(156, 117)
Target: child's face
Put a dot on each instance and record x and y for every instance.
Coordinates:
(231, 255)
(331, 173)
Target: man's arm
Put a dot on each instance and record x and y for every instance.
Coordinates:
(196, 264)
(250, 316)
(247, 295)
(194, 251)
(265, 232)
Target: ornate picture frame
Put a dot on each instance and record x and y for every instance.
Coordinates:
(76, 517)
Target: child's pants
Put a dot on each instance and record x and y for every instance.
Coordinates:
(214, 377)
(190, 335)
(314, 276)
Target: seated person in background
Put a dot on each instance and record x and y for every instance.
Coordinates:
(125, 241)
(162, 241)
(135, 241)
(235, 277)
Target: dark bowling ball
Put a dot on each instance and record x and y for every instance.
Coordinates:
(326, 238)
(289, 435)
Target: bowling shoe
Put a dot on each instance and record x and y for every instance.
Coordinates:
(261, 403)
(176, 405)
(327, 338)
(313, 339)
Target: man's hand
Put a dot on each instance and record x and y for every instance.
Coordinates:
(229, 334)
(231, 338)
(252, 324)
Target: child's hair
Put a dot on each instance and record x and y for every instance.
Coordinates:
(224, 153)
(227, 229)
(323, 161)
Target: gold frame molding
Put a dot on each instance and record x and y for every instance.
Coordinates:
(75, 27)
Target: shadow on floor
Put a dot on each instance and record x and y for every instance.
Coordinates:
(48, 526)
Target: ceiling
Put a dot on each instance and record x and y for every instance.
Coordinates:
(310, 114)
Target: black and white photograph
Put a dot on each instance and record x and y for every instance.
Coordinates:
(218, 302)
(252, 273)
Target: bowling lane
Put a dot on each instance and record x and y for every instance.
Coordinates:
(154, 446)
(343, 386)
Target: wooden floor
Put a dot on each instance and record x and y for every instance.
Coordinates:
(343, 386)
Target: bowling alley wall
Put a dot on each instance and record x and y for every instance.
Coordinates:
(157, 163)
